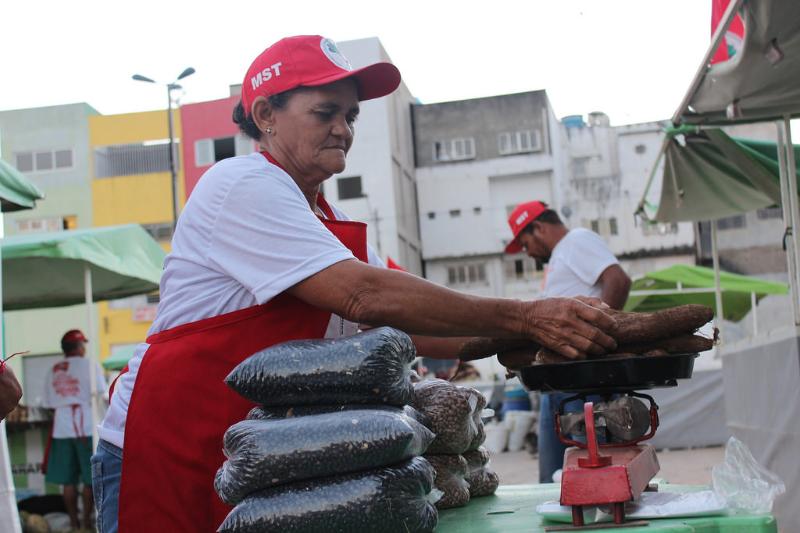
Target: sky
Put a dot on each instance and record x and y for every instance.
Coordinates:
(632, 59)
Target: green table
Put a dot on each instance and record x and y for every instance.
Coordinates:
(513, 509)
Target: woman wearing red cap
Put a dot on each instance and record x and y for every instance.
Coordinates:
(259, 258)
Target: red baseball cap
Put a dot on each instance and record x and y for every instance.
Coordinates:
(311, 61)
(520, 217)
(74, 335)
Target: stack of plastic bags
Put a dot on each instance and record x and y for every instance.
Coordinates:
(453, 413)
(333, 445)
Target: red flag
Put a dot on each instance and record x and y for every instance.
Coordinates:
(394, 266)
(732, 41)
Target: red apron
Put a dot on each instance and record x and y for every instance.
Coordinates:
(181, 407)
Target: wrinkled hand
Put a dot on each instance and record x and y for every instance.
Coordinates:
(10, 392)
(572, 327)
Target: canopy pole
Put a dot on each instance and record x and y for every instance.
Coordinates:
(716, 40)
(9, 518)
(791, 174)
(717, 285)
(87, 287)
(789, 222)
(754, 312)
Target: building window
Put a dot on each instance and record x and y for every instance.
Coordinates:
(160, 232)
(349, 188)
(209, 151)
(46, 224)
(454, 149)
(521, 269)
(640, 149)
(476, 210)
(769, 212)
(734, 222)
(659, 229)
(519, 142)
(133, 159)
(431, 215)
(612, 226)
(595, 225)
(455, 213)
(466, 274)
(43, 160)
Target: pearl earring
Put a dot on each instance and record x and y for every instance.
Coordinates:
(268, 131)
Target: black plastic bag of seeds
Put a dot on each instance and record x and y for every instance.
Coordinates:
(450, 411)
(482, 480)
(370, 367)
(261, 412)
(265, 453)
(450, 479)
(394, 499)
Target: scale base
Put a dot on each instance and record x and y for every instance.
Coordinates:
(622, 478)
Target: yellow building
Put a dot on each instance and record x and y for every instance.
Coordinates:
(131, 183)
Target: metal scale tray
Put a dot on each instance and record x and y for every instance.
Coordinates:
(612, 374)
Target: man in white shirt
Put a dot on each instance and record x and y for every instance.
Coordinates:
(579, 263)
(67, 390)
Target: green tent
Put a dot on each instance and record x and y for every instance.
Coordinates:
(119, 359)
(50, 269)
(709, 175)
(682, 284)
(16, 192)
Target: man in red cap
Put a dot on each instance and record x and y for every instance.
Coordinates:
(67, 391)
(579, 263)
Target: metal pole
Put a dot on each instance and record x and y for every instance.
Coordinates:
(716, 40)
(94, 393)
(791, 174)
(789, 224)
(717, 287)
(9, 518)
(173, 174)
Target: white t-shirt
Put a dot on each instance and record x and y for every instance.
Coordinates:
(576, 264)
(66, 389)
(246, 235)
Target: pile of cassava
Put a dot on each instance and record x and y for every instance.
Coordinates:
(670, 331)
(333, 445)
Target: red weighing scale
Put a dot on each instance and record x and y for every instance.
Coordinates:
(606, 465)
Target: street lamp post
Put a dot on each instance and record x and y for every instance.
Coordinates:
(173, 174)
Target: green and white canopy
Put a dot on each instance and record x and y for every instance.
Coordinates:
(16, 192)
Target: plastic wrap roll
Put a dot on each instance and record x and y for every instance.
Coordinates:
(371, 367)
(387, 500)
(265, 453)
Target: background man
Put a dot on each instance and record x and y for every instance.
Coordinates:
(67, 390)
(578, 264)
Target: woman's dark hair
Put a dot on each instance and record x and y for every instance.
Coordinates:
(246, 123)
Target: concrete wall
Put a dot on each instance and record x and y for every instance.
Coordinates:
(382, 154)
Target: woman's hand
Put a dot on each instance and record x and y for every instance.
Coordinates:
(572, 327)
(10, 391)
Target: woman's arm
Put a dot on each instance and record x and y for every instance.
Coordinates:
(369, 295)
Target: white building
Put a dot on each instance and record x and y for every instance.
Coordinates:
(476, 160)
(379, 185)
(608, 171)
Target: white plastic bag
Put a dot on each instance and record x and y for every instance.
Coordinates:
(744, 484)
